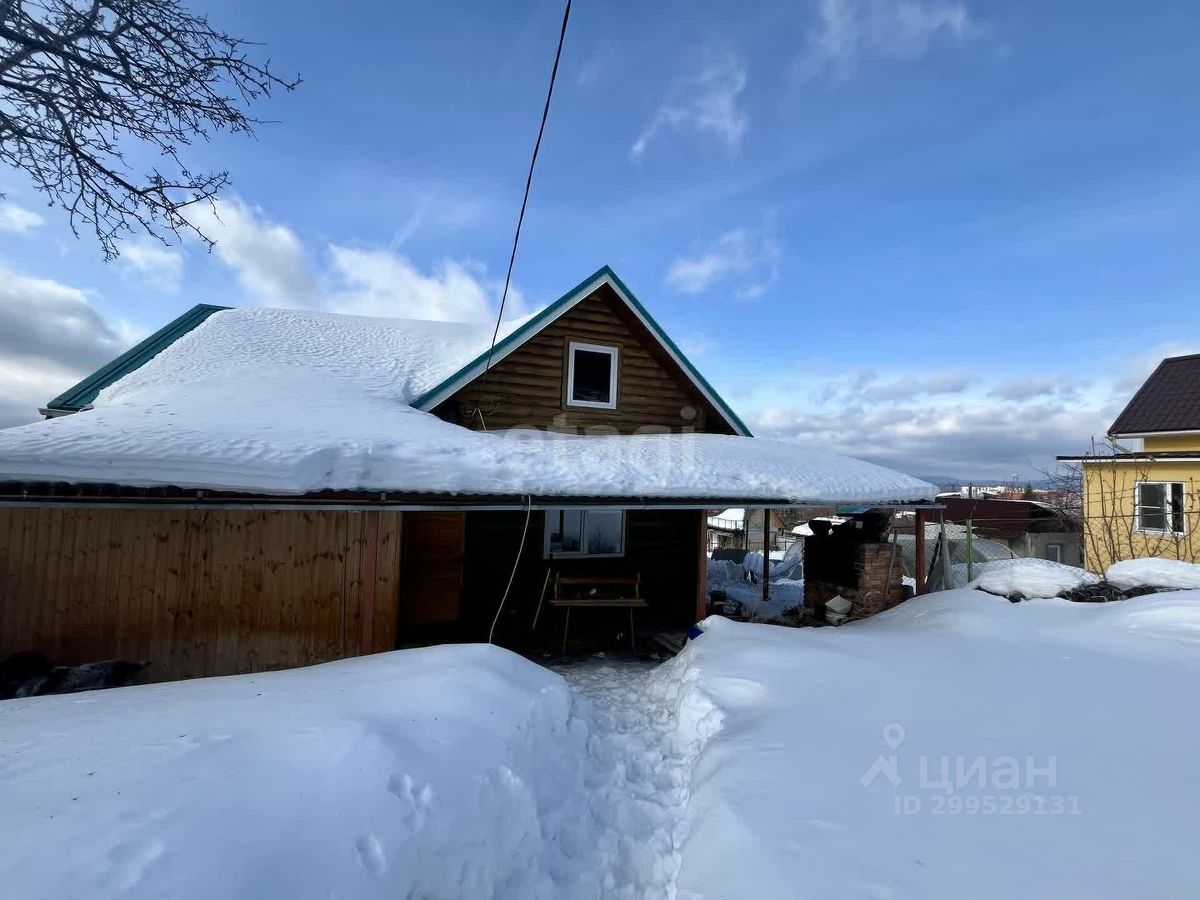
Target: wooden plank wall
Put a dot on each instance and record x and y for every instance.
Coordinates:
(198, 592)
(528, 387)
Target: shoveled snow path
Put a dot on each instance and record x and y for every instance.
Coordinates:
(638, 778)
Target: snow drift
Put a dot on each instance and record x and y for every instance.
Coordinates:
(1154, 572)
(1033, 578)
(783, 802)
(447, 772)
(762, 762)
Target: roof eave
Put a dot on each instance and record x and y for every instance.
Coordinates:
(1171, 432)
(115, 495)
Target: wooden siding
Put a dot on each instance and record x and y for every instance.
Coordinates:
(198, 592)
(661, 545)
(528, 387)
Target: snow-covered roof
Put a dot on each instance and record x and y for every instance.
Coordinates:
(728, 518)
(286, 402)
(393, 359)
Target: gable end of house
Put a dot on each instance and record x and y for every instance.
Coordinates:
(529, 370)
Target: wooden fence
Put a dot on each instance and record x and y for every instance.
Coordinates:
(198, 592)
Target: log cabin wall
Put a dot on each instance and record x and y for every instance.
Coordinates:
(528, 387)
(662, 545)
(198, 592)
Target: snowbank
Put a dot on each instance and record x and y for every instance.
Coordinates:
(447, 772)
(783, 801)
(876, 759)
(280, 402)
(1154, 572)
(1030, 577)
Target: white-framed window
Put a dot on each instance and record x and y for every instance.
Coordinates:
(584, 532)
(1159, 507)
(1054, 552)
(591, 375)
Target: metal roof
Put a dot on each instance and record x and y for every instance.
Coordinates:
(1168, 401)
(81, 395)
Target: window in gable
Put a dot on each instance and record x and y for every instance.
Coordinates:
(592, 376)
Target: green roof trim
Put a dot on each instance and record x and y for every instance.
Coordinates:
(81, 395)
(473, 369)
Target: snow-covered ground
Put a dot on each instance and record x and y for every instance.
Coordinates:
(637, 785)
(958, 745)
(794, 795)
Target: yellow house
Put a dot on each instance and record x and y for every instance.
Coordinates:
(1143, 497)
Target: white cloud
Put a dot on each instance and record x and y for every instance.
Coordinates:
(939, 421)
(850, 30)
(380, 282)
(51, 336)
(857, 387)
(935, 385)
(697, 344)
(160, 267)
(596, 64)
(276, 269)
(962, 439)
(268, 258)
(707, 103)
(16, 219)
(749, 256)
(1043, 387)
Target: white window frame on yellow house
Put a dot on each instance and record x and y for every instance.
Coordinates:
(1171, 515)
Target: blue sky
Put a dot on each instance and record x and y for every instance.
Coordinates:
(946, 236)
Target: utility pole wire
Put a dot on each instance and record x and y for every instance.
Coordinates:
(562, 34)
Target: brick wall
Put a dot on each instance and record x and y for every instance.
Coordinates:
(876, 584)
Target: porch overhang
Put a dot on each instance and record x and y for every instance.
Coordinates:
(117, 496)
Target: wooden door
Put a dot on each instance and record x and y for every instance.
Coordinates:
(432, 568)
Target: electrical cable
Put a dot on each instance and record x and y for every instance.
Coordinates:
(562, 34)
(513, 574)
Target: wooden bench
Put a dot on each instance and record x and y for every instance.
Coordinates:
(596, 591)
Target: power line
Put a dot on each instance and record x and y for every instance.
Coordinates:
(562, 34)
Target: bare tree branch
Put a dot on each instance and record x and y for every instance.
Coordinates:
(83, 81)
